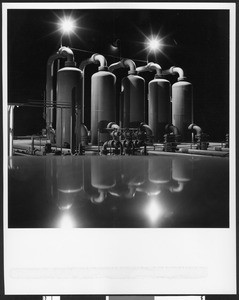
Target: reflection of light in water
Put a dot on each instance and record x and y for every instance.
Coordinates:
(153, 210)
(66, 221)
(66, 198)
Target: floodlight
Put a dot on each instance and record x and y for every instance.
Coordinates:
(67, 25)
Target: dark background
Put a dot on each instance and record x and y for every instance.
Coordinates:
(196, 40)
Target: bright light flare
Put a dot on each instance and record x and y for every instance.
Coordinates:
(153, 210)
(67, 25)
(154, 44)
(66, 221)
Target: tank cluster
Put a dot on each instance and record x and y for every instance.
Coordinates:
(170, 113)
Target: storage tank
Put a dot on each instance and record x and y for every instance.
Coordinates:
(182, 92)
(132, 95)
(182, 103)
(159, 92)
(132, 101)
(159, 106)
(69, 103)
(103, 104)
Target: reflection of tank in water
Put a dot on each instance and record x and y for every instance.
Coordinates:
(181, 172)
(65, 182)
(103, 173)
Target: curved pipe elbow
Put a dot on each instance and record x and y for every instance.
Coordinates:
(196, 128)
(124, 63)
(147, 129)
(94, 59)
(130, 64)
(155, 67)
(68, 53)
(98, 58)
(171, 128)
(52, 59)
(113, 125)
(180, 73)
(174, 70)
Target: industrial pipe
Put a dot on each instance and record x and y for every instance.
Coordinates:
(10, 129)
(174, 70)
(113, 125)
(68, 53)
(112, 144)
(124, 63)
(171, 128)
(49, 88)
(146, 128)
(61, 53)
(204, 152)
(151, 67)
(95, 59)
(196, 128)
(84, 135)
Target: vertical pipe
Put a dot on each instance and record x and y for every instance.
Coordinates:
(10, 129)
(49, 87)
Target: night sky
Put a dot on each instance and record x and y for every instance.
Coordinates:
(195, 40)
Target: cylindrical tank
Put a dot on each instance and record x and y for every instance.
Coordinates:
(132, 101)
(159, 107)
(103, 104)
(182, 99)
(69, 100)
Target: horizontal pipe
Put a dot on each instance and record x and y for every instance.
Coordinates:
(124, 63)
(204, 152)
(151, 67)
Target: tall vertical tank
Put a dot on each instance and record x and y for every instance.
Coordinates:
(182, 102)
(69, 96)
(103, 103)
(159, 106)
(132, 101)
